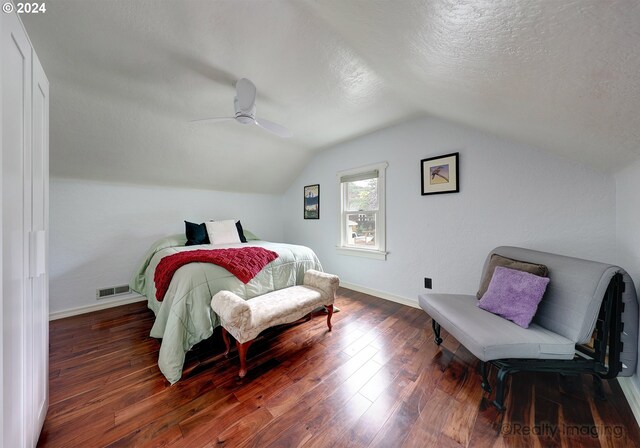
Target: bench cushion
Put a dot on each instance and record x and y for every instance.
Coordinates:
(491, 337)
(246, 319)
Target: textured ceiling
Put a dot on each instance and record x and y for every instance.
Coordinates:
(127, 76)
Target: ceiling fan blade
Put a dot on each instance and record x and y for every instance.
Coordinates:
(246, 94)
(213, 120)
(274, 128)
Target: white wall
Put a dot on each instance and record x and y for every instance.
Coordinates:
(628, 224)
(99, 232)
(628, 220)
(510, 195)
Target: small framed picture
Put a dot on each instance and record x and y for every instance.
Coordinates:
(312, 201)
(440, 174)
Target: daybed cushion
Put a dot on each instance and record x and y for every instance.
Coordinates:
(514, 295)
(491, 337)
(496, 260)
(573, 298)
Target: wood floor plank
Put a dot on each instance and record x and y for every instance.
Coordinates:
(328, 431)
(377, 379)
(114, 396)
(430, 421)
(369, 424)
(241, 430)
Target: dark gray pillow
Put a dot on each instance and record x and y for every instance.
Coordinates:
(243, 239)
(498, 260)
(196, 233)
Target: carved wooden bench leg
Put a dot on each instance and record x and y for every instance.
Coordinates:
(242, 353)
(225, 337)
(329, 314)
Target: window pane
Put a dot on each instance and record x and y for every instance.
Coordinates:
(361, 229)
(362, 195)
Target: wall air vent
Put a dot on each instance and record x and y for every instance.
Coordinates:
(103, 293)
(121, 289)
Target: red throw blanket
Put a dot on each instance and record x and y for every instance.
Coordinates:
(244, 263)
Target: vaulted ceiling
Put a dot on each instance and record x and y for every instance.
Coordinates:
(128, 76)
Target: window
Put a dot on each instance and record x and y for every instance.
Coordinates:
(362, 211)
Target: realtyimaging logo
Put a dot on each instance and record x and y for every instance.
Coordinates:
(550, 430)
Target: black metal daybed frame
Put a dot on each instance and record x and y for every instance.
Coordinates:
(601, 362)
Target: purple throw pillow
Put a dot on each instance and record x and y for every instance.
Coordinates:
(514, 295)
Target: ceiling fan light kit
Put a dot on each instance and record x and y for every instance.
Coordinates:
(245, 107)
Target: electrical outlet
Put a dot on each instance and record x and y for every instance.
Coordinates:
(427, 282)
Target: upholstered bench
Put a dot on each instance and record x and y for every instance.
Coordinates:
(246, 319)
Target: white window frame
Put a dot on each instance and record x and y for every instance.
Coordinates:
(342, 247)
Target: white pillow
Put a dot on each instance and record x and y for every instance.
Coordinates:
(222, 232)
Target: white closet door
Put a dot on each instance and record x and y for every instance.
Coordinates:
(38, 363)
(16, 221)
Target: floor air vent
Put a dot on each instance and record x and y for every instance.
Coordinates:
(112, 291)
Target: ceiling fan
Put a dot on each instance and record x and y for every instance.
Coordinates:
(245, 106)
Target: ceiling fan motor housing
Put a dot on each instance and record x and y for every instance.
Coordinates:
(244, 116)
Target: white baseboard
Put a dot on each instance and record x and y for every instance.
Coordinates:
(632, 394)
(102, 305)
(383, 295)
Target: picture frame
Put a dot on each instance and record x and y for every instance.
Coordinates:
(311, 198)
(440, 174)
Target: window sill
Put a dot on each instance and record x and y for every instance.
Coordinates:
(365, 253)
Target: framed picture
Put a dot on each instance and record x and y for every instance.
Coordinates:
(312, 201)
(440, 174)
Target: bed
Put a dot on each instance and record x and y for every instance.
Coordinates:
(184, 317)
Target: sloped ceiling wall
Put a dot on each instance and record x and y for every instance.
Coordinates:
(127, 76)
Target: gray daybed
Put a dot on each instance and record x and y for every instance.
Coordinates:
(586, 302)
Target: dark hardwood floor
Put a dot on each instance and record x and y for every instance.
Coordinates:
(377, 379)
